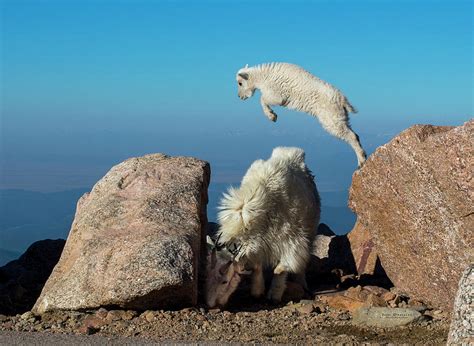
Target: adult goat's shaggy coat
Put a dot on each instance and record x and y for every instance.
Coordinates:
(271, 218)
(289, 85)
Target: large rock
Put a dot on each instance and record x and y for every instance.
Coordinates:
(415, 196)
(462, 323)
(22, 280)
(136, 239)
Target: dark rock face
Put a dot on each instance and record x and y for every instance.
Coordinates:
(462, 323)
(136, 240)
(363, 250)
(330, 252)
(347, 254)
(415, 196)
(22, 280)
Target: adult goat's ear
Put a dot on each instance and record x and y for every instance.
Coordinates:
(244, 75)
(213, 258)
(223, 270)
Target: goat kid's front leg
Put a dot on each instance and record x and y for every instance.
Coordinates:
(267, 110)
(258, 284)
(278, 286)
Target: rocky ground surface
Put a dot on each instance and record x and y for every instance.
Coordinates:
(321, 320)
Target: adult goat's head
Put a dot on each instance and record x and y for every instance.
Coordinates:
(223, 278)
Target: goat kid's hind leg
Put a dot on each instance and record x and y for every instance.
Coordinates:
(340, 128)
(258, 284)
(353, 140)
(278, 285)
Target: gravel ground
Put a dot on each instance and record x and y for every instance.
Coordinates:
(291, 323)
(37, 338)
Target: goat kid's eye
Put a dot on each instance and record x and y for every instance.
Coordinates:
(240, 83)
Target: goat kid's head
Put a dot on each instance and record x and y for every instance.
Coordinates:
(246, 87)
(223, 277)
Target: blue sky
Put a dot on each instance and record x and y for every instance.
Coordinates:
(86, 84)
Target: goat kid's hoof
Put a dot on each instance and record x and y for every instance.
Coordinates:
(272, 117)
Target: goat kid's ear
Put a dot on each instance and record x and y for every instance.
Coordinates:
(223, 270)
(244, 75)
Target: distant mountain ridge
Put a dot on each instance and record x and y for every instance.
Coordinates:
(8, 256)
(28, 216)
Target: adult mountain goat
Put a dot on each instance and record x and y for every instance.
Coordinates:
(289, 85)
(271, 219)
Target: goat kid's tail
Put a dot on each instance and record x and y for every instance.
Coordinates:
(349, 108)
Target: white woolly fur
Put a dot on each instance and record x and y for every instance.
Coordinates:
(273, 215)
(288, 85)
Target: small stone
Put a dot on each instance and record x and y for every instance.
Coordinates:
(91, 325)
(101, 313)
(385, 317)
(415, 302)
(358, 293)
(402, 304)
(394, 302)
(128, 315)
(344, 316)
(388, 296)
(3, 318)
(374, 300)
(113, 315)
(187, 310)
(305, 308)
(319, 307)
(149, 316)
(200, 318)
(27, 315)
(353, 292)
(379, 291)
(8, 325)
(419, 308)
(342, 303)
(306, 302)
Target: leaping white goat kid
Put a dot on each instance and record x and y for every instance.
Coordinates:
(271, 219)
(288, 85)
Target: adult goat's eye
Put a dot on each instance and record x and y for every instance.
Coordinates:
(224, 282)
